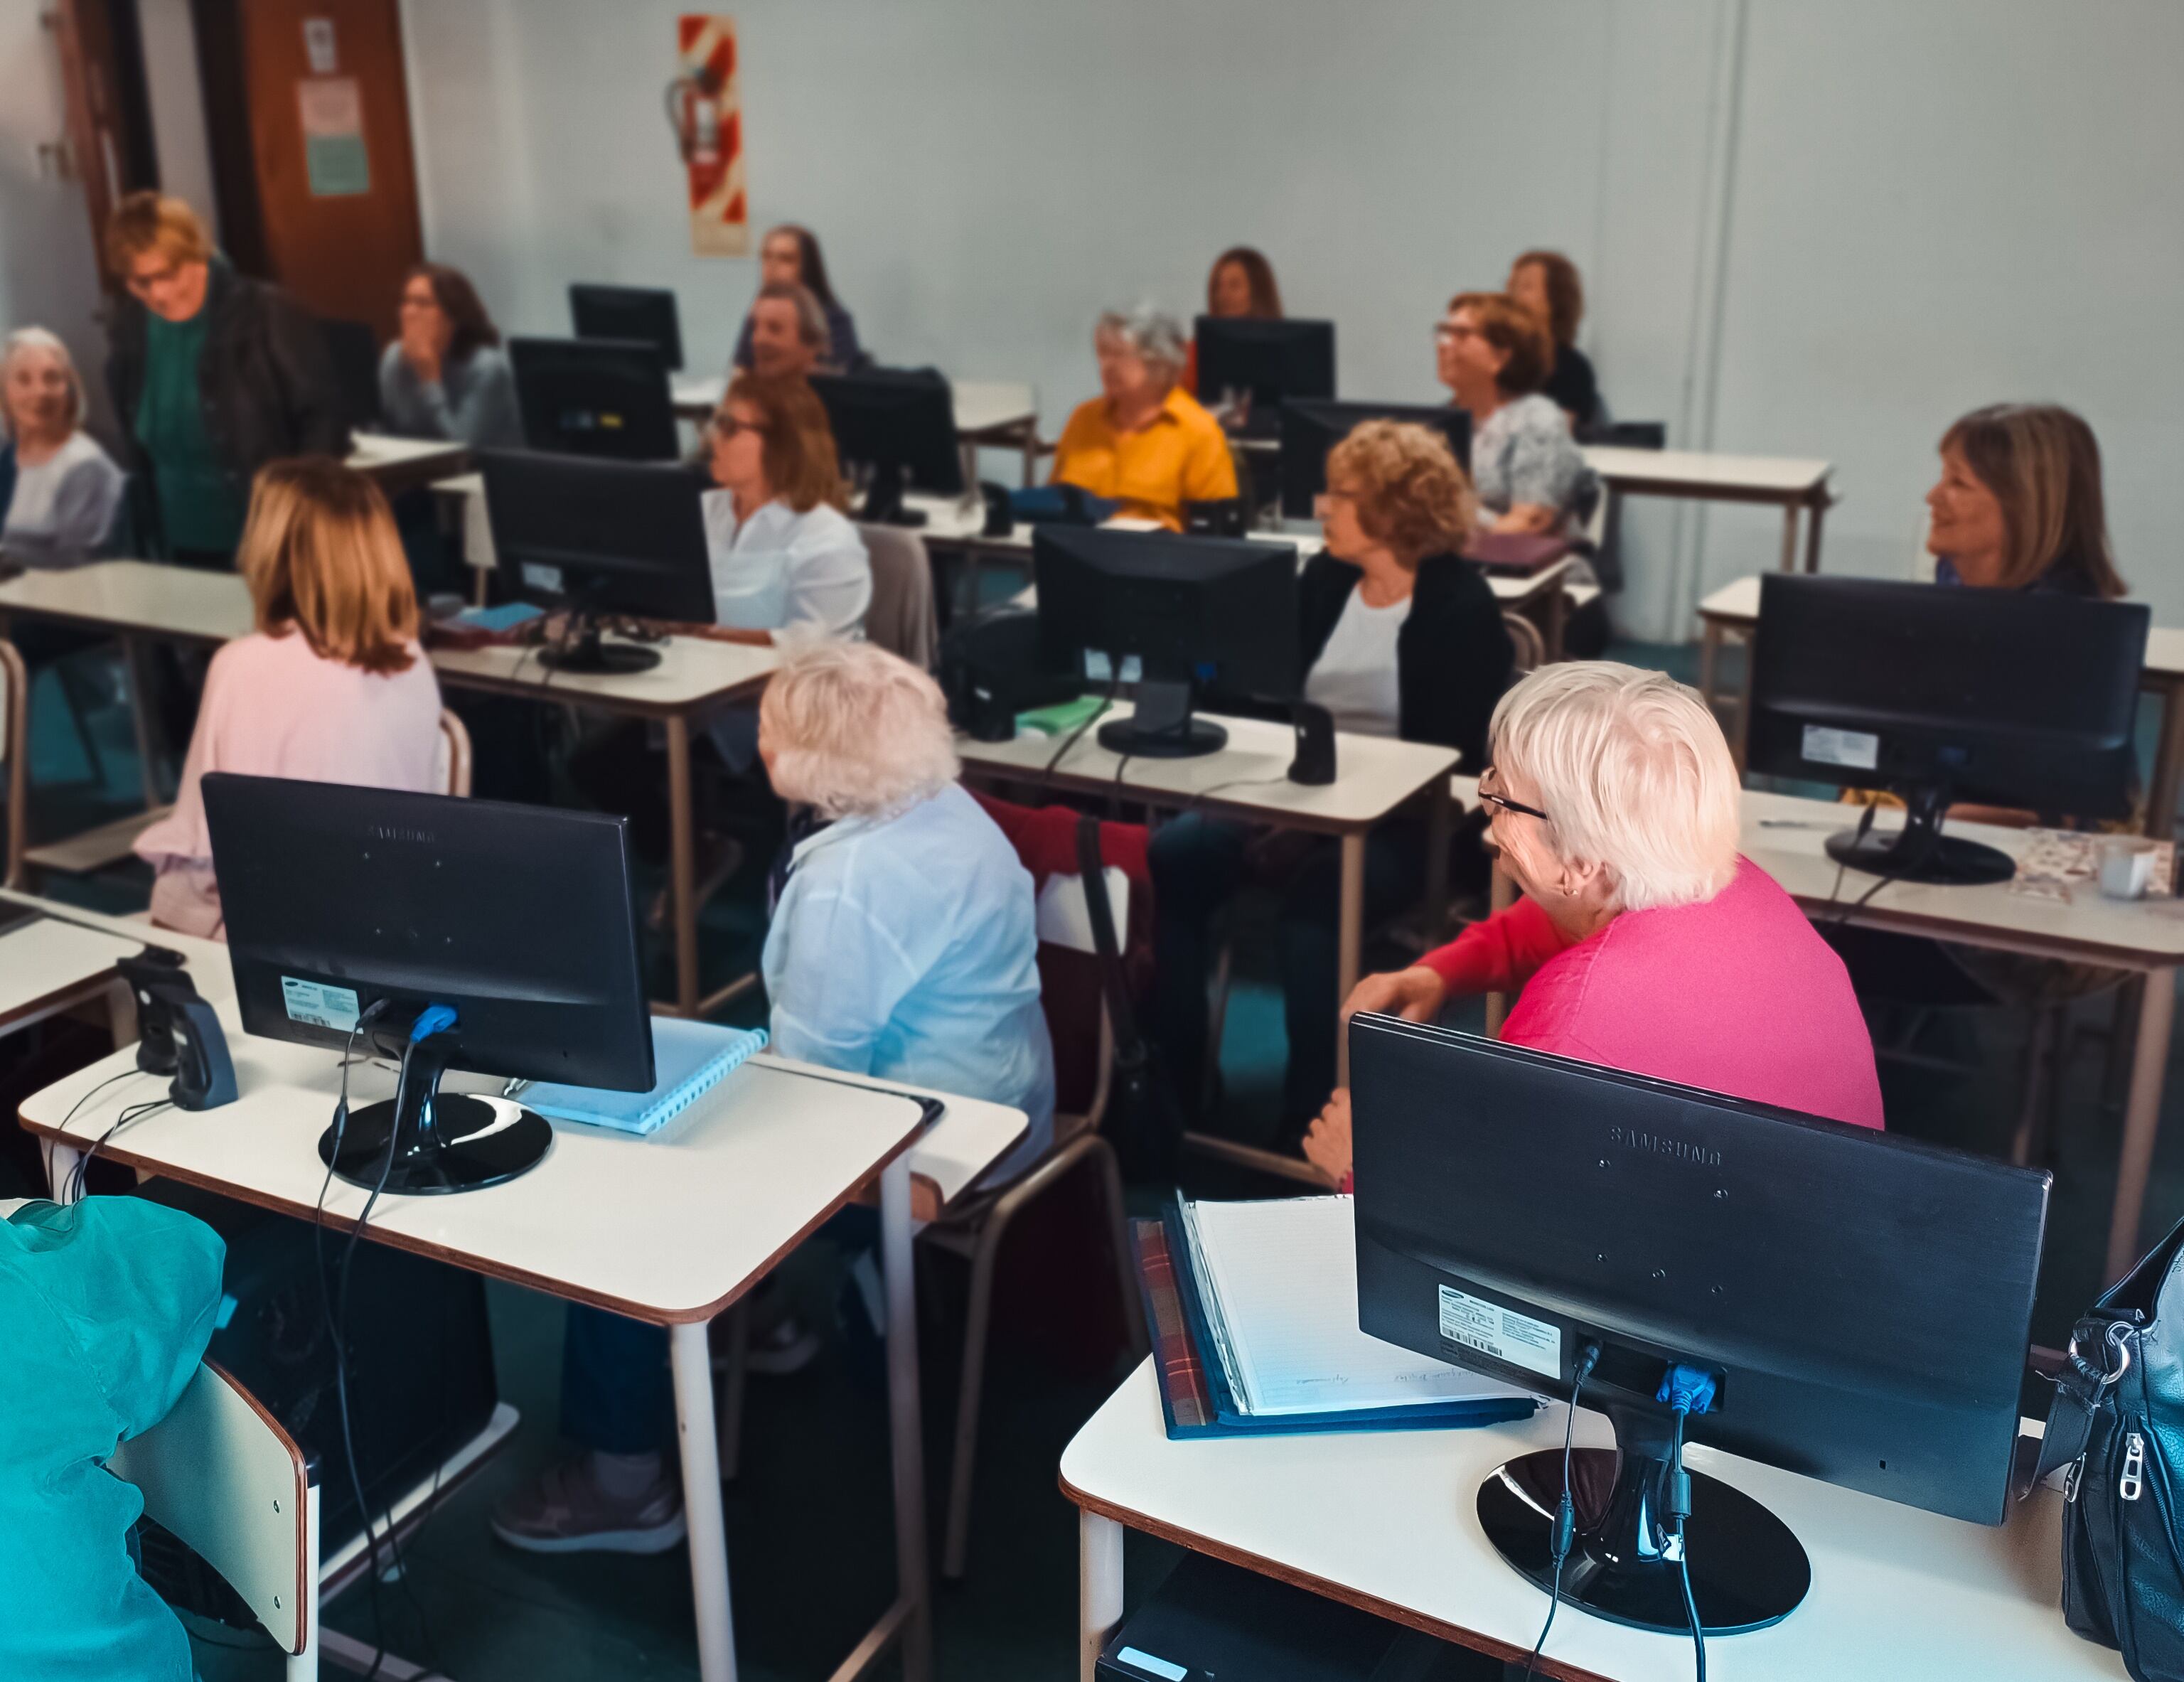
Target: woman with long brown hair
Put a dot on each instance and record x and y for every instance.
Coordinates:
(2020, 505)
(447, 376)
(332, 686)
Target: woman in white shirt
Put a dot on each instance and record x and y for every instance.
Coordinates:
(785, 557)
(59, 490)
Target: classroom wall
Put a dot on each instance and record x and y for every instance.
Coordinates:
(1814, 230)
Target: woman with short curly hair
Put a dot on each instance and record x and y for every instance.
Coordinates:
(1400, 637)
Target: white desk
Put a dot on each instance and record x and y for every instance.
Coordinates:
(398, 464)
(1248, 780)
(144, 602)
(1733, 611)
(1385, 1521)
(726, 1191)
(53, 965)
(1792, 484)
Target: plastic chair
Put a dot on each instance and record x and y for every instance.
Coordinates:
(901, 619)
(220, 1473)
(451, 759)
(1531, 648)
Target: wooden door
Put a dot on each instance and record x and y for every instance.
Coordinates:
(109, 127)
(329, 165)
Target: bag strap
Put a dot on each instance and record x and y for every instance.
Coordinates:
(1114, 983)
(2081, 1393)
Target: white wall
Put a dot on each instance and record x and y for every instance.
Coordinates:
(1815, 231)
(48, 273)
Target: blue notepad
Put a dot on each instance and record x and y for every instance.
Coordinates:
(690, 1060)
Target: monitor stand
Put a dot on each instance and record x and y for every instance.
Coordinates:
(1160, 728)
(442, 1141)
(586, 653)
(1919, 852)
(884, 504)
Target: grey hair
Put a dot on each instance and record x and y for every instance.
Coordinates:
(811, 315)
(23, 341)
(1633, 774)
(1151, 333)
(855, 731)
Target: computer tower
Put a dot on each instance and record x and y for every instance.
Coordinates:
(1212, 1622)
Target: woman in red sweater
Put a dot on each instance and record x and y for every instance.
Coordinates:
(1644, 941)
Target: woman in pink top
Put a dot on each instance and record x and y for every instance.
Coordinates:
(1644, 941)
(330, 687)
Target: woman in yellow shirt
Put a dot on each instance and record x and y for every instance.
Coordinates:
(1144, 441)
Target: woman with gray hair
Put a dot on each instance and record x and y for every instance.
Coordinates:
(59, 490)
(1644, 941)
(1144, 441)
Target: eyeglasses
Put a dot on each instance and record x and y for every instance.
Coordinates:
(1503, 803)
(727, 426)
(1448, 332)
(140, 282)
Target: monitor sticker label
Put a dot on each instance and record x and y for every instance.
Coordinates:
(1853, 747)
(1502, 1332)
(315, 1005)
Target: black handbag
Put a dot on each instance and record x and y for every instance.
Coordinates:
(1145, 1117)
(2117, 1423)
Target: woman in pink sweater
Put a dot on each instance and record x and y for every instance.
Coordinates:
(330, 687)
(1644, 941)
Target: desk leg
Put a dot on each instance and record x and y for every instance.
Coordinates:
(1099, 1587)
(1501, 894)
(1349, 940)
(683, 846)
(1812, 514)
(2141, 1120)
(905, 1421)
(137, 658)
(1557, 607)
(702, 1508)
(2168, 766)
(1440, 828)
(60, 1165)
(1709, 660)
(1790, 537)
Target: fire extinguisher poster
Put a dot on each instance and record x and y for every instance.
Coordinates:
(707, 113)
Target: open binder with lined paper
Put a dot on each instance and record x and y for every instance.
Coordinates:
(1254, 1309)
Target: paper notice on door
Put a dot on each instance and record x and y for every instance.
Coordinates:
(334, 156)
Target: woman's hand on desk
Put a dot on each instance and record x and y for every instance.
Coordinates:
(1530, 517)
(1416, 995)
(1327, 1141)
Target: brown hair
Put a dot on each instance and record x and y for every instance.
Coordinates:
(1565, 292)
(1411, 494)
(1266, 296)
(801, 463)
(1507, 325)
(811, 315)
(320, 555)
(459, 303)
(2043, 465)
(810, 266)
(152, 221)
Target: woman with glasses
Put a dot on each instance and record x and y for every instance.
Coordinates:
(1493, 355)
(213, 375)
(1643, 941)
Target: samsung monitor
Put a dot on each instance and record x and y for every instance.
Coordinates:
(898, 426)
(601, 538)
(1311, 428)
(449, 934)
(1176, 615)
(640, 314)
(2007, 698)
(594, 396)
(1862, 1302)
(1265, 360)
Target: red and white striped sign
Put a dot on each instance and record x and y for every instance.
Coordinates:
(711, 119)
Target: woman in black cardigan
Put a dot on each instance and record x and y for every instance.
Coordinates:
(1401, 637)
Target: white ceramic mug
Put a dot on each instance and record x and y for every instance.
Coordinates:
(2127, 866)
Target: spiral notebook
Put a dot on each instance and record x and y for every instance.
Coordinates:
(690, 1060)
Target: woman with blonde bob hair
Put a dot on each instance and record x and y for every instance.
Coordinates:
(330, 687)
(1644, 941)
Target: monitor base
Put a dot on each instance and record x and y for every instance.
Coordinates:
(1193, 738)
(1748, 1571)
(1922, 857)
(480, 1142)
(590, 654)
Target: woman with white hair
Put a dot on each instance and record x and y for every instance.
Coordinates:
(1644, 941)
(903, 945)
(59, 490)
(1144, 441)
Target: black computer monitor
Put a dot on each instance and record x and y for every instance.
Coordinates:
(1194, 614)
(899, 424)
(499, 939)
(602, 538)
(1940, 694)
(1272, 360)
(594, 396)
(1862, 1301)
(353, 348)
(1311, 428)
(643, 315)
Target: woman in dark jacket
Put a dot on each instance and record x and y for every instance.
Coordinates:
(213, 375)
(1401, 637)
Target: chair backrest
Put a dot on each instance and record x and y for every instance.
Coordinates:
(1531, 648)
(451, 759)
(221, 1474)
(15, 742)
(901, 618)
